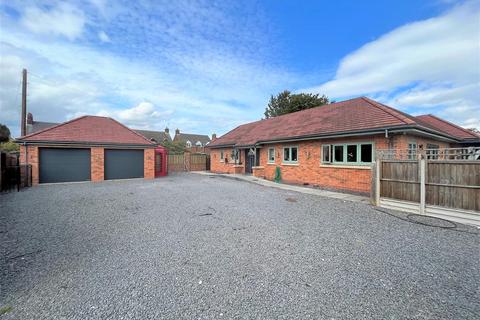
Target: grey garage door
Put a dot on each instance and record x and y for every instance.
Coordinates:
(64, 165)
(123, 164)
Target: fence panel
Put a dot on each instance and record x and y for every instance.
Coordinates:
(453, 184)
(176, 162)
(198, 162)
(400, 180)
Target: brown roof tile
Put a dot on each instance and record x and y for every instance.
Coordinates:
(350, 115)
(89, 129)
(436, 123)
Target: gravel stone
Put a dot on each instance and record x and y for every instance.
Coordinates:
(197, 247)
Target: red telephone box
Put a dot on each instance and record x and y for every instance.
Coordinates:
(160, 161)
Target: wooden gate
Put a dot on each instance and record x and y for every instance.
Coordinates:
(442, 185)
(187, 161)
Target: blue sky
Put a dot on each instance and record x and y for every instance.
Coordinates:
(208, 66)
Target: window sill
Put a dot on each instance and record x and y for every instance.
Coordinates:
(271, 163)
(346, 166)
(258, 167)
(289, 164)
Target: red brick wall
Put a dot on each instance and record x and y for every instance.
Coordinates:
(401, 142)
(310, 169)
(149, 164)
(227, 166)
(32, 155)
(97, 164)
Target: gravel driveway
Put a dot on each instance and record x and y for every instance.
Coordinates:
(195, 247)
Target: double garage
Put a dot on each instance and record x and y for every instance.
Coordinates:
(89, 148)
(75, 164)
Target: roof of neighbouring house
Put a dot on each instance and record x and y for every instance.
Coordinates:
(193, 138)
(88, 129)
(447, 127)
(344, 117)
(36, 126)
(157, 136)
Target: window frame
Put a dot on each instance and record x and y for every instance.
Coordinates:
(268, 155)
(290, 154)
(329, 153)
(222, 156)
(358, 145)
(412, 153)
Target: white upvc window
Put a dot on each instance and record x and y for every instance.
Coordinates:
(290, 154)
(348, 153)
(271, 155)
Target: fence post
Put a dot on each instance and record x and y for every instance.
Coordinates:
(378, 165)
(422, 185)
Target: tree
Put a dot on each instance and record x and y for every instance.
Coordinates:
(174, 146)
(286, 102)
(9, 146)
(4, 133)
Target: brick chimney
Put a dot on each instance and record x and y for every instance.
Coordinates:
(177, 131)
(167, 131)
(214, 136)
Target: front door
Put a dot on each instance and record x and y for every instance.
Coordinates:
(249, 160)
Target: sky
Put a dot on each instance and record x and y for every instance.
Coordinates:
(206, 66)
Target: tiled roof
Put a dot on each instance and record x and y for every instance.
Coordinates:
(89, 129)
(39, 125)
(345, 116)
(193, 138)
(447, 127)
(158, 136)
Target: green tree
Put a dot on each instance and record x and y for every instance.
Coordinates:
(4, 133)
(286, 102)
(9, 146)
(174, 146)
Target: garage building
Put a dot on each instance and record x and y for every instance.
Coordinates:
(89, 148)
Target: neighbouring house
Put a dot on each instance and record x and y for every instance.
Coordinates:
(192, 142)
(90, 148)
(160, 137)
(34, 126)
(331, 146)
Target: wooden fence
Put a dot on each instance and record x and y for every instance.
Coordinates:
(428, 185)
(178, 162)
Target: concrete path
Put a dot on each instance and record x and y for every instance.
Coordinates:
(305, 190)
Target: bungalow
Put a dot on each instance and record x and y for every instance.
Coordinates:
(90, 148)
(332, 146)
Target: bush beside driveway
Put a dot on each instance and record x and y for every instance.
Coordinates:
(194, 247)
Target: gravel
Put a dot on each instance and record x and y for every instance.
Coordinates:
(195, 247)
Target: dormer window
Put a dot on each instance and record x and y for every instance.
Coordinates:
(188, 144)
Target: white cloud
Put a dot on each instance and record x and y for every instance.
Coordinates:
(193, 80)
(103, 36)
(63, 19)
(431, 65)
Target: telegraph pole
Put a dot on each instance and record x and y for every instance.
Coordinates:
(24, 103)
